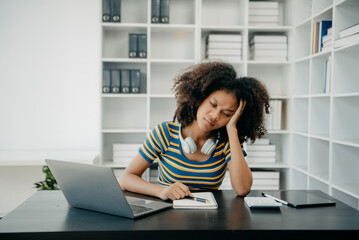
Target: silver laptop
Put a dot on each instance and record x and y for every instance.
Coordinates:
(96, 188)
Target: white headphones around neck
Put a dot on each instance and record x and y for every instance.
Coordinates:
(189, 145)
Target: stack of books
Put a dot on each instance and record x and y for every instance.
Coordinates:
(262, 180)
(121, 81)
(320, 30)
(226, 47)
(265, 180)
(327, 40)
(268, 47)
(260, 152)
(274, 119)
(348, 36)
(123, 153)
(263, 13)
(328, 74)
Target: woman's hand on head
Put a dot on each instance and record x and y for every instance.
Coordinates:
(175, 191)
(235, 117)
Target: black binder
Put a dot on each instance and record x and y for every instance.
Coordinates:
(132, 51)
(115, 81)
(125, 81)
(155, 11)
(135, 80)
(106, 81)
(164, 10)
(106, 10)
(142, 45)
(116, 11)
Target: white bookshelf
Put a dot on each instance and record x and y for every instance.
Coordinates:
(325, 136)
(318, 128)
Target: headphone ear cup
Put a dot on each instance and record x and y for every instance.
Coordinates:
(190, 145)
(208, 147)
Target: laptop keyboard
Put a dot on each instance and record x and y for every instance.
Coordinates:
(139, 209)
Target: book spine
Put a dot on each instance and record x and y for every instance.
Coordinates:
(263, 4)
(259, 147)
(265, 52)
(271, 46)
(346, 41)
(268, 39)
(236, 52)
(349, 31)
(265, 174)
(224, 45)
(261, 154)
(224, 38)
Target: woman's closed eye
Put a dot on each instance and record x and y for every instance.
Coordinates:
(227, 114)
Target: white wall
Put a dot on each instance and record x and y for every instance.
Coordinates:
(50, 68)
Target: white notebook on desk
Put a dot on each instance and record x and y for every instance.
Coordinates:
(191, 204)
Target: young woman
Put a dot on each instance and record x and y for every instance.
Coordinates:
(216, 112)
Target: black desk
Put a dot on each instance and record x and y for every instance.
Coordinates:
(46, 215)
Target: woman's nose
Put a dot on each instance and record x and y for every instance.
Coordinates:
(215, 115)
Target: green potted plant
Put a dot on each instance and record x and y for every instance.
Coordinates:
(49, 183)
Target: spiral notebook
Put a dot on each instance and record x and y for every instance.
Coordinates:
(191, 204)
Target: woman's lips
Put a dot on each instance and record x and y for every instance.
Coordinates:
(209, 122)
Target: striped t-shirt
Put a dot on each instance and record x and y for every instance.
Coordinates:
(164, 143)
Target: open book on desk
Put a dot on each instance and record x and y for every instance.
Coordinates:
(192, 204)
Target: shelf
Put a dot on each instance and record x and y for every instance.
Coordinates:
(346, 64)
(171, 61)
(345, 168)
(321, 8)
(162, 95)
(300, 152)
(345, 118)
(274, 76)
(109, 26)
(347, 142)
(275, 29)
(124, 60)
(323, 138)
(158, 28)
(319, 158)
(256, 62)
(316, 183)
(215, 28)
(233, 10)
(303, 11)
(301, 78)
(303, 134)
(300, 115)
(119, 95)
(303, 40)
(320, 116)
(119, 113)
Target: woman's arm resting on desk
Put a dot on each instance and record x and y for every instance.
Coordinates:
(131, 180)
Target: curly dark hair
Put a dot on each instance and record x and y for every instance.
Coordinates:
(199, 81)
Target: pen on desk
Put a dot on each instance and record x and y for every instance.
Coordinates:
(274, 198)
(198, 199)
